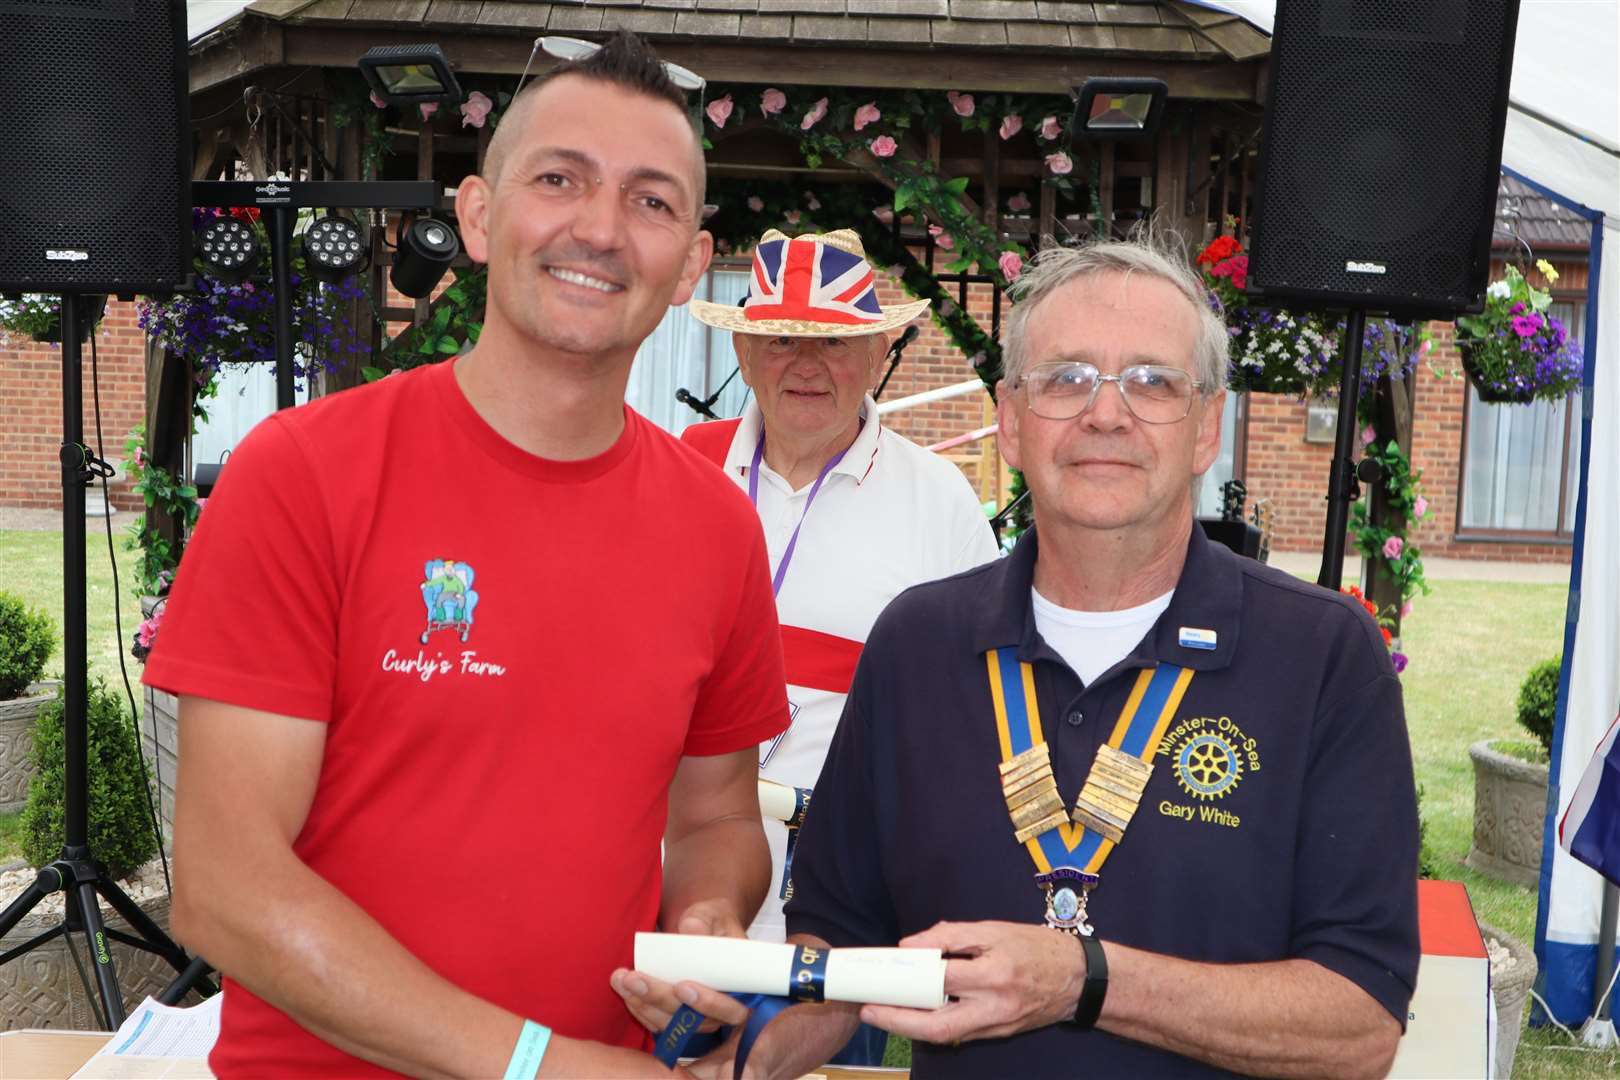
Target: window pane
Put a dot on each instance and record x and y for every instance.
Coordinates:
(729, 287)
(1512, 465)
(1209, 496)
(683, 353)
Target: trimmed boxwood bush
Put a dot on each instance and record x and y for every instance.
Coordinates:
(1538, 701)
(27, 637)
(120, 819)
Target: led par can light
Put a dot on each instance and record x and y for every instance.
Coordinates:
(426, 249)
(229, 249)
(334, 248)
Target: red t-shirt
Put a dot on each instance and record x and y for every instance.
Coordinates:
(512, 655)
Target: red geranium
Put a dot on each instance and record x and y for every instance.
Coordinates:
(249, 214)
(1220, 249)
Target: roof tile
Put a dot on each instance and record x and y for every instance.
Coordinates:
(507, 13)
(913, 31)
(1091, 37)
(1004, 11)
(953, 32)
(708, 24)
(766, 26)
(453, 11)
(1116, 14)
(829, 28)
(388, 10)
(1041, 34)
(1153, 39)
(1066, 11)
(640, 21)
(569, 17)
(899, 7)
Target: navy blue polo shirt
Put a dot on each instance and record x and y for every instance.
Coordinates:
(1280, 821)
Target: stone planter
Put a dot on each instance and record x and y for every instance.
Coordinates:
(17, 743)
(1509, 989)
(43, 989)
(1510, 811)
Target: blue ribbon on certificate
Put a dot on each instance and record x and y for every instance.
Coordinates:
(807, 982)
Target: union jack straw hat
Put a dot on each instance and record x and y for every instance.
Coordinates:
(817, 285)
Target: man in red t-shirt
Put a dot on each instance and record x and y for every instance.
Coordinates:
(441, 693)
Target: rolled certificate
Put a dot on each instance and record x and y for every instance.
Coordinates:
(914, 978)
(782, 803)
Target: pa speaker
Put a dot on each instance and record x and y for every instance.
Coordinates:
(1381, 153)
(95, 146)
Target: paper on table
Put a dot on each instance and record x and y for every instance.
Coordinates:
(158, 1041)
(914, 978)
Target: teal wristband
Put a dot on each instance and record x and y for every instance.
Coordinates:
(531, 1047)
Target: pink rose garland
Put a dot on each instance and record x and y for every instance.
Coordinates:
(1010, 126)
(772, 102)
(1011, 264)
(962, 103)
(719, 111)
(813, 117)
(867, 114)
(883, 146)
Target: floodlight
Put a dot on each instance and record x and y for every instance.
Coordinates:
(426, 249)
(333, 248)
(1118, 108)
(410, 75)
(229, 249)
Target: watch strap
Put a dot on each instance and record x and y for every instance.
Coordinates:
(1095, 988)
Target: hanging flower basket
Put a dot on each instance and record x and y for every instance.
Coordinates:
(1514, 351)
(39, 316)
(1272, 351)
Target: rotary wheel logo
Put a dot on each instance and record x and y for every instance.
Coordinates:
(1207, 767)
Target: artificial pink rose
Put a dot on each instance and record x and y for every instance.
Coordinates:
(941, 237)
(1011, 125)
(1060, 163)
(791, 217)
(475, 109)
(813, 117)
(811, 202)
(140, 458)
(772, 102)
(1050, 128)
(884, 214)
(867, 114)
(883, 146)
(1420, 507)
(1368, 435)
(719, 111)
(1018, 203)
(1406, 609)
(755, 203)
(1392, 547)
(1012, 264)
(961, 103)
(429, 109)
(378, 100)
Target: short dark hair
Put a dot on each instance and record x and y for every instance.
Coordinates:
(624, 60)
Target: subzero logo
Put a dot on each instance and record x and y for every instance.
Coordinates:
(1356, 267)
(66, 255)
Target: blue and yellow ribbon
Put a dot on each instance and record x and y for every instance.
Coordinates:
(1138, 732)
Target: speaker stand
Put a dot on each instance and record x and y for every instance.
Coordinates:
(76, 872)
(1342, 487)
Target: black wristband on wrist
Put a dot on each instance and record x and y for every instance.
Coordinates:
(1089, 1008)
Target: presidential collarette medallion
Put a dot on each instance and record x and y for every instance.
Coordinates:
(1067, 890)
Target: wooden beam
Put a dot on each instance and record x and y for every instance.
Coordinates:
(333, 44)
(990, 169)
(1048, 215)
(257, 44)
(1105, 196)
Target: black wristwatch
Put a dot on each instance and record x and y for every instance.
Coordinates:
(1089, 1008)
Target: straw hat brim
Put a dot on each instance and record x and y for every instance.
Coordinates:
(731, 317)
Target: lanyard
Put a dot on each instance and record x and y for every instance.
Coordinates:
(753, 497)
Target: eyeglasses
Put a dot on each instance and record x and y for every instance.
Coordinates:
(1153, 394)
(567, 48)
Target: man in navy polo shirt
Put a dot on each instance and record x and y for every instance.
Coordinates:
(1154, 798)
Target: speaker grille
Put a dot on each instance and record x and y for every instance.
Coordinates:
(92, 159)
(1382, 150)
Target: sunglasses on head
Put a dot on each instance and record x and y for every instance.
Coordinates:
(567, 48)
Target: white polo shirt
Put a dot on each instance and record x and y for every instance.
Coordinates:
(889, 516)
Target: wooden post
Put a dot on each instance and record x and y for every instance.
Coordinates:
(1392, 419)
(1105, 194)
(424, 171)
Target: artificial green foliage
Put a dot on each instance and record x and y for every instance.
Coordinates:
(1538, 701)
(1407, 507)
(455, 319)
(120, 817)
(27, 637)
(1428, 862)
(164, 492)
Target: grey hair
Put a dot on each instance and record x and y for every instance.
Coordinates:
(1157, 254)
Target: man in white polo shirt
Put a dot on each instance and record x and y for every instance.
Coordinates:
(853, 513)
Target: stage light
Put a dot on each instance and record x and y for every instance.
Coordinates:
(426, 249)
(229, 249)
(1118, 108)
(410, 75)
(334, 248)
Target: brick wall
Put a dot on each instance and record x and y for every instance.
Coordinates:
(31, 409)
